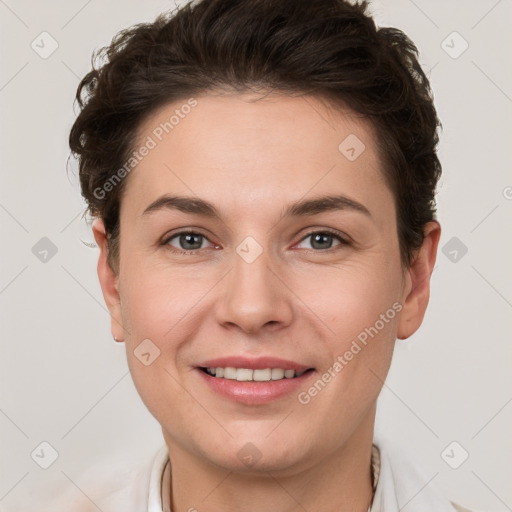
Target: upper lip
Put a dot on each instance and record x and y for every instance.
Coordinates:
(258, 363)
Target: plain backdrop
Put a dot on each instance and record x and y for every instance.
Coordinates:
(66, 383)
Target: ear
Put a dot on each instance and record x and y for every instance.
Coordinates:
(416, 290)
(109, 282)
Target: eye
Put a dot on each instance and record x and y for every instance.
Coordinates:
(323, 240)
(187, 241)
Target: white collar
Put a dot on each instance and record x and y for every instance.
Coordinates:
(156, 480)
(398, 483)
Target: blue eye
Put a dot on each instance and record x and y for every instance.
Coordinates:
(187, 241)
(323, 240)
(190, 241)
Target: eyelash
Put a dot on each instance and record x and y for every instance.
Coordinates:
(343, 241)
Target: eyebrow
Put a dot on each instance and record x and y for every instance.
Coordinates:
(298, 209)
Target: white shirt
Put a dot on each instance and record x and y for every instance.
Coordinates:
(397, 482)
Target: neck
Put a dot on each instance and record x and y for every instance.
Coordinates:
(339, 482)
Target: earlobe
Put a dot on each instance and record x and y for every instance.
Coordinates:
(416, 292)
(108, 281)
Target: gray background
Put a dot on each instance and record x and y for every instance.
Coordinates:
(65, 382)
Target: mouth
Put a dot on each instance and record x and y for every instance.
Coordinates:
(253, 375)
(254, 381)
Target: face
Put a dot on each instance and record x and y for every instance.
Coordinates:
(259, 237)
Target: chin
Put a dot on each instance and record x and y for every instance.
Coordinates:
(259, 455)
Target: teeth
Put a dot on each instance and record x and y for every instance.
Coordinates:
(262, 375)
(246, 374)
(230, 373)
(243, 374)
(277, 373)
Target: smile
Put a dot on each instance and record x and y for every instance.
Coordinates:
(249, 375)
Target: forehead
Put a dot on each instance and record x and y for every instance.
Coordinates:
(245, 147)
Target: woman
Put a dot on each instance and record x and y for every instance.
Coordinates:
(263, 179)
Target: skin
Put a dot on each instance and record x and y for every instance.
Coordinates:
(250, 160)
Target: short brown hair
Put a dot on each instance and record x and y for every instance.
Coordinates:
(327, 48)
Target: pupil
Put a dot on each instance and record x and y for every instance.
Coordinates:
(321, 238)
(191, 241)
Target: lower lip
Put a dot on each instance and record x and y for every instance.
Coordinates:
(254, 393)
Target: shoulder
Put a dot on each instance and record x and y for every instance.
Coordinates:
(400, 477)
(110, 487)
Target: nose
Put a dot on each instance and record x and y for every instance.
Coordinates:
(254, 298)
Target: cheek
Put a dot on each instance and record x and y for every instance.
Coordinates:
(155, 313)
(366, 331)
(160, 309)
(352, 298)
(369, 307)
(361, 310)
(359, 305)
(157, 299)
